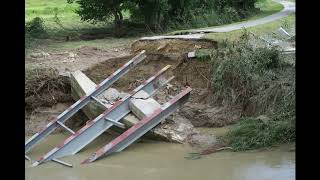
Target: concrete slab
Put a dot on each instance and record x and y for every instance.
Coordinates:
(81, 85)
(84, 84)
(142, 107)
(141, 95)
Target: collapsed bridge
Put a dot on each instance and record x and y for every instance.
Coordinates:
(138, 102)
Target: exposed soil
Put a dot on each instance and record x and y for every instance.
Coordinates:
(199, 110)
(47, 94)
(74, 59)
(41, 116)
(173, 48)
(47, 86)
(206, 115)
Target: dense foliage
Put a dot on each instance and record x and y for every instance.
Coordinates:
(35, 28)
(162, 14)
(103, 10)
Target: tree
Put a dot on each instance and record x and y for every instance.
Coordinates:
(237, 4)
(154, 12)
(102, 10)
(159, 14)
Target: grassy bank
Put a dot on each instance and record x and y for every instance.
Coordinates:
(261, 82)
(252, 133)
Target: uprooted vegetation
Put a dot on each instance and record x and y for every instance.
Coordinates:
(47, 94)
(45, 87)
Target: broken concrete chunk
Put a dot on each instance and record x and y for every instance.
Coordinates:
(72, 55)
(141, 95)
(143, 107)
(40, 55)
(86, 85)
(111, 95)
(82, 85)
(192, 54)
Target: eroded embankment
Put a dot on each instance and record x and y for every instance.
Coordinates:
(200, 111)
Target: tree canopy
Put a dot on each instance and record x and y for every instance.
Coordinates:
(158, 14)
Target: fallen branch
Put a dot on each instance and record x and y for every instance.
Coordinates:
(214, 149)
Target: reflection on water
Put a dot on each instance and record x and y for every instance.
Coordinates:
(159, 160)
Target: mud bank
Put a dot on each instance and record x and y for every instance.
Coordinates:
(199, 110)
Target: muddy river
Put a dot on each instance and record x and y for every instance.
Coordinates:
(159, 160)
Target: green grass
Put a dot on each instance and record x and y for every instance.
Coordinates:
(70, 21)
(251, 133)
(258, 30)
(203, 54)
(71, 26)
(267, 7)
(46, 8)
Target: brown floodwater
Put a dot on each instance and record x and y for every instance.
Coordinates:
(160, 160)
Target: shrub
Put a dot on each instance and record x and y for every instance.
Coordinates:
(35, 28)
(239, 72)
(228, 15)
